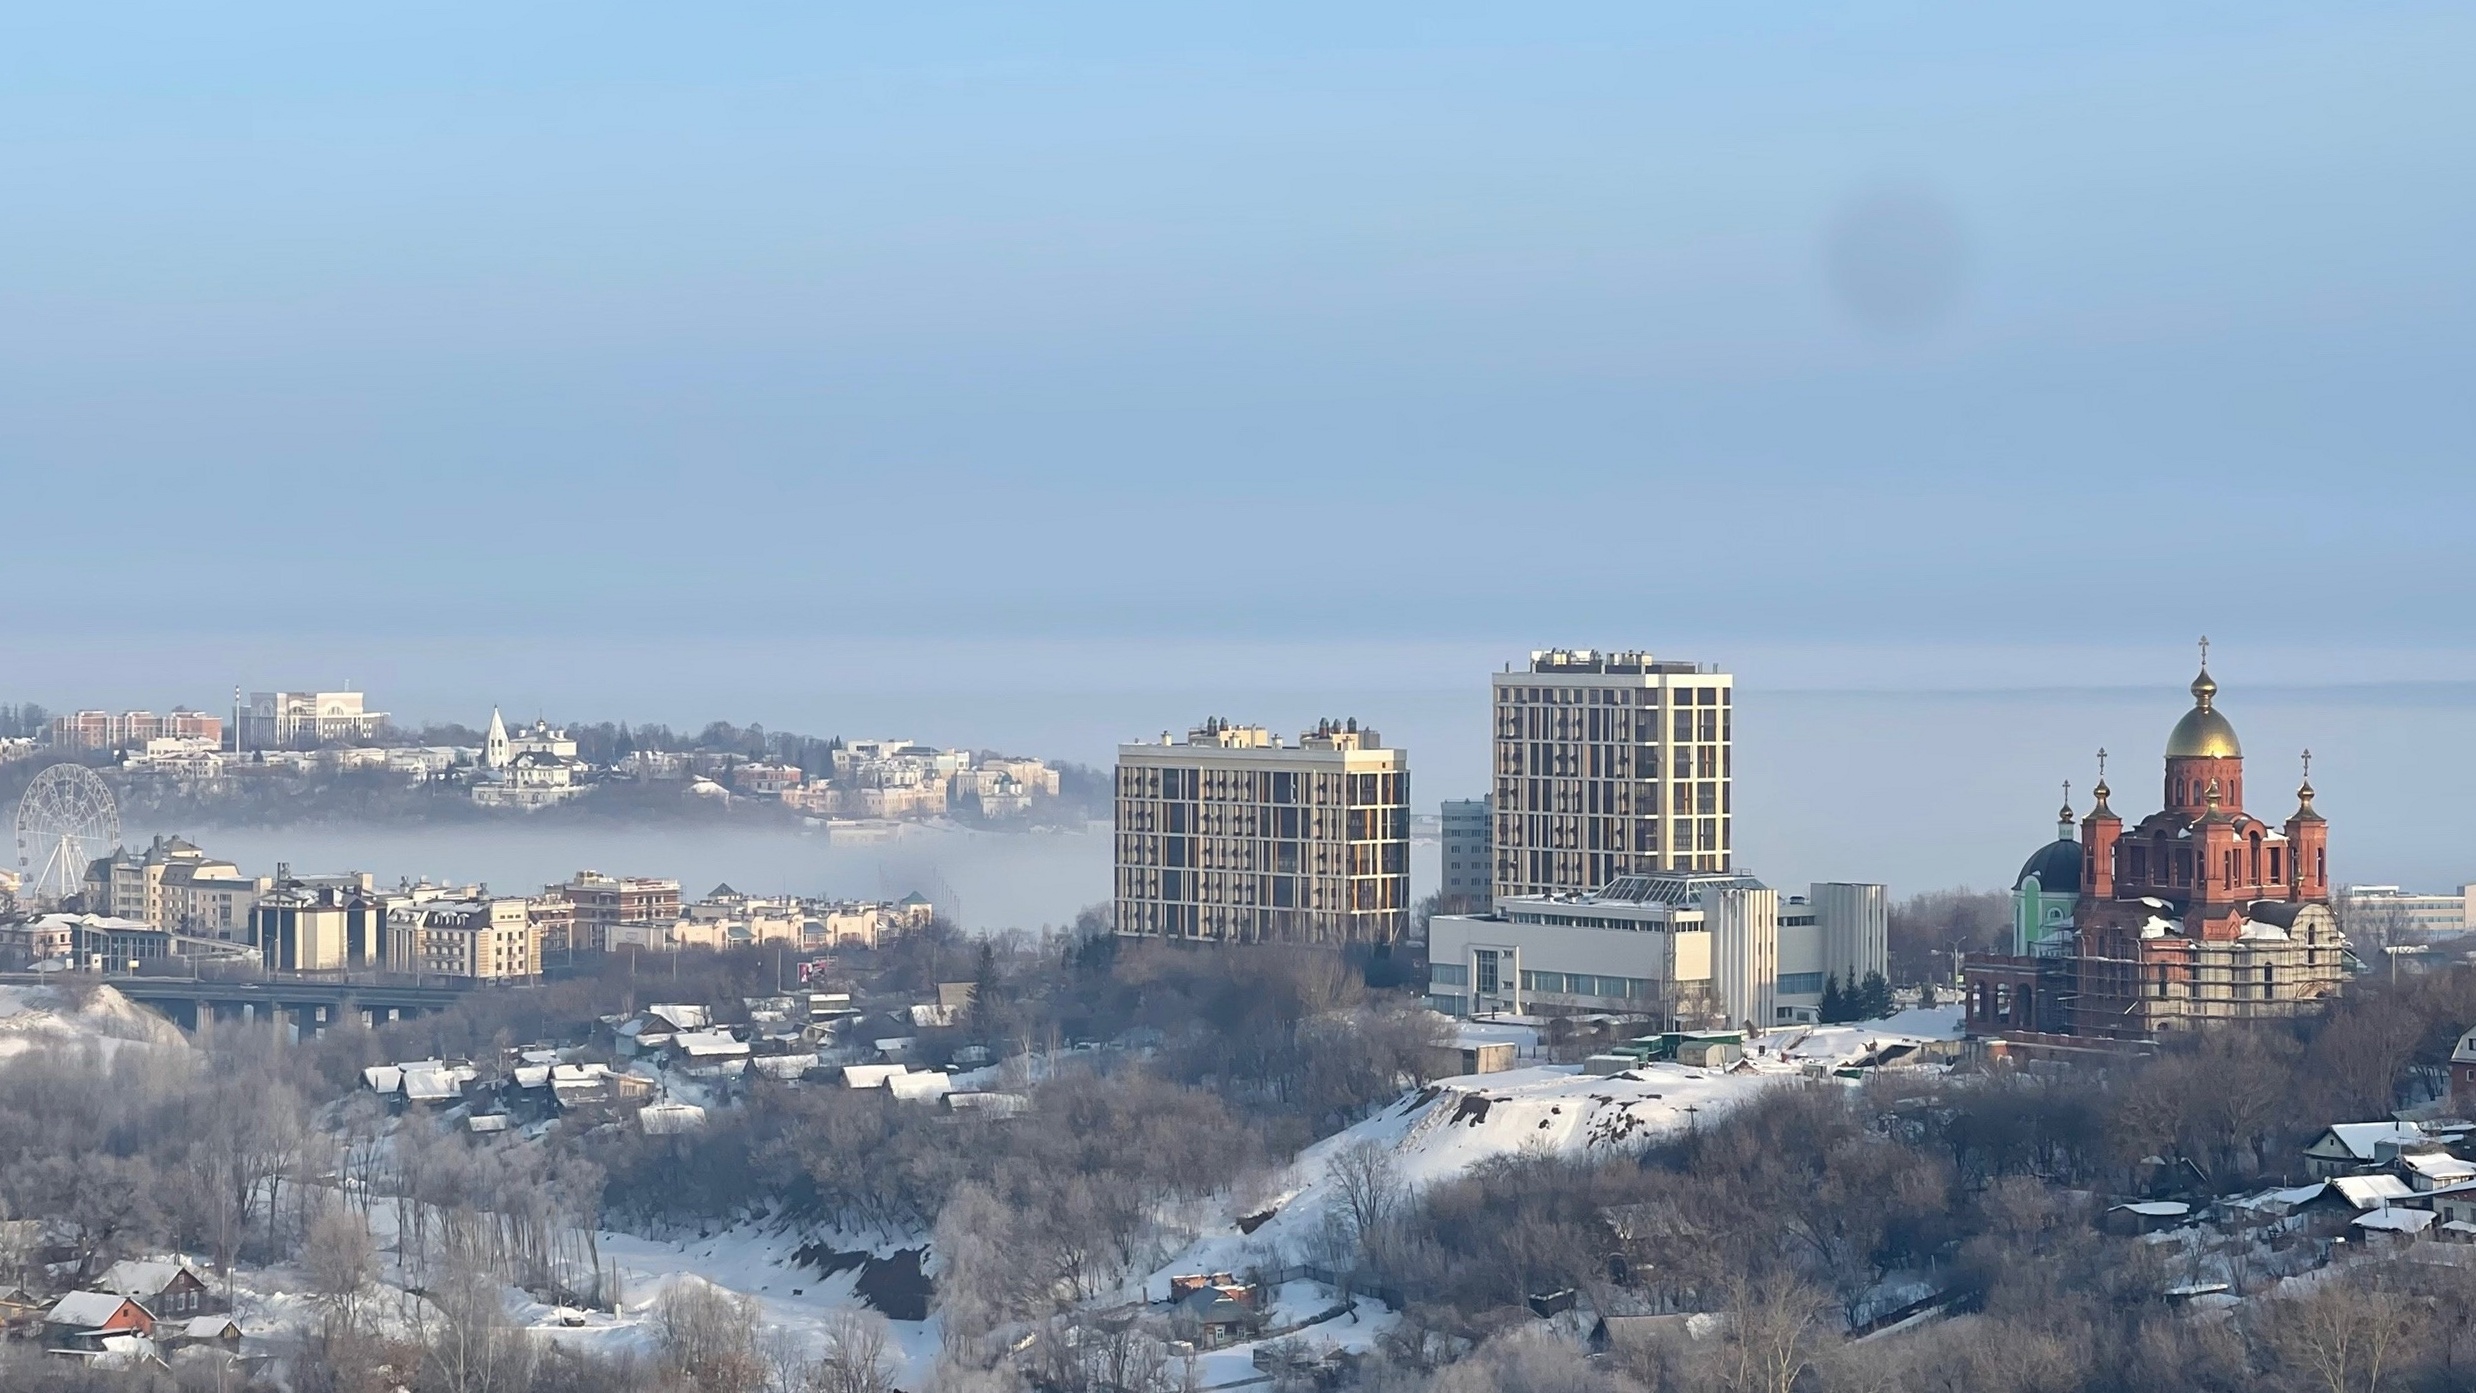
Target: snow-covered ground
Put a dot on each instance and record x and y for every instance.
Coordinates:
(751, 1260)
(45, 1017)
(1430, 1135)
(1438, 1132)
(274, 1308)
(1861, 1042)
(1291, 1303)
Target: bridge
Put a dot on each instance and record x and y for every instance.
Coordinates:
(199, 1004)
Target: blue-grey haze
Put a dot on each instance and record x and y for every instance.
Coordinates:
(1034, 376)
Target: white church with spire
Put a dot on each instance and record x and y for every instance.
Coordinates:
(533, 767)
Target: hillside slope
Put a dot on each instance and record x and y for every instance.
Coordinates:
(50, 1017)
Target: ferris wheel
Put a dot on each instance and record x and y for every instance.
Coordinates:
(66, 820)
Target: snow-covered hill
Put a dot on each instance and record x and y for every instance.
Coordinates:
(1866, 1042)
(48, 1017)
(1440, 1131)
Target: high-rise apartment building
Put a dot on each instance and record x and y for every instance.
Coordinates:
(1609, 764)
(1233, 836)
(1466, 885)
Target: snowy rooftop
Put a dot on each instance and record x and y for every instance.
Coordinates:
(84, 1309)
(140, 1277)
(703, 1044)
(2158, 1209)
(2397, 1220)
(681, 1017)
(2361, 1137)
(662, 1119)
(2440, 1167)
(2372, 1191)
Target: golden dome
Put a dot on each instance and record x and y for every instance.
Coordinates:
(2203, 733)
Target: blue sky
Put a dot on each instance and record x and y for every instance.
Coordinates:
(1415, 319)
(439, 345)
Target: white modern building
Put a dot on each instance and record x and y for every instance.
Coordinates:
(2379, 908)
(292, 720)
(1686, 950)
(1609, 764)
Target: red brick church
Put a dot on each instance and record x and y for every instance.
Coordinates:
(2199, 912)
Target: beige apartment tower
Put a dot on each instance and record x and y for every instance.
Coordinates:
(1232, 836)
(1609, 764)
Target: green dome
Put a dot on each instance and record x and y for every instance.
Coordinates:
(2057, 865)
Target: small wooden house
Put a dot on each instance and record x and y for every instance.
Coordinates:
(167, 1287)
(83, 1320)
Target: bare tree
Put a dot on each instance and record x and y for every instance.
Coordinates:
(858, 1356)
(473, 1347)
(982, 1279)
(342, 1259)
(1364, 1192)
(1775, 1330)
(708, 1337)
(1525, 1361)
(2345, 1337)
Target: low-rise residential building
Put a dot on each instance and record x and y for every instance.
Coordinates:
(603, 902)
(2463, 1073)
(2359, 1148)
(903, 780)
(999, 786)
(209, 899)
(766, 780)
(49, 937)
(174, 885)
(540, 738)
(187, 758)
(482, 939)
(554, 925)
(300, 927)
(166, 1287)
(653, 765)
(422, 763)
(85, 1320)
(528, 781)
(864, 924)
(728, 919)
(104, 730)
